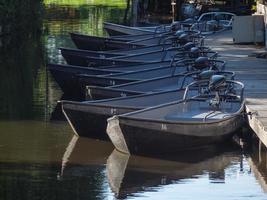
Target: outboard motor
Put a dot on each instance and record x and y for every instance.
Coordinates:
(218, 17)
(213, 25)
(183, 39)
(201, 63)
(194, 52)
(188, 46)
(217, 82)
(179, 33)
(189, 21)
(206, 75)
(175, 26)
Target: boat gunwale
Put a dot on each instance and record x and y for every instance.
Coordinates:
(98, 102)
(61, 67)
(99, 105)
(127, 116)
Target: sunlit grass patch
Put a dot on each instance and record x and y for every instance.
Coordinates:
(117, 3)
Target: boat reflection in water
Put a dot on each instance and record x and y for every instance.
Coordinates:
(82, 152)
(128, 175)
(257, 160)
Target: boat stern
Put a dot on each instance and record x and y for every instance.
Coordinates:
(115, 134)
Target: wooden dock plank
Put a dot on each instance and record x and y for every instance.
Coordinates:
(258, 126)
(252, 72)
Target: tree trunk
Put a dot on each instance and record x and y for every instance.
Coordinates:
(179, 9)
(126, 12)
(135, 11)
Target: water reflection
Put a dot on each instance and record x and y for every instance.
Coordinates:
(82, 153)
(257, 160)
(58, 165)
(24, 87)
(83, 18)
(33, 141)
(129, 175)
(43, 160)
(28, 91)
(22, 78)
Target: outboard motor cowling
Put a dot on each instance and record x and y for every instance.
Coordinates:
(201, 63)
(205, 75)
(217, 82)
(212, 25)
(194, 52)
(189, 21)
(183, 38)
(188, 46)
(175, 26)
(179, 33)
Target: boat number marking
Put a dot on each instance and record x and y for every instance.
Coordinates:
(112, 82)
(163, 127)
(123, 94)
(90, 64)
(113, 111)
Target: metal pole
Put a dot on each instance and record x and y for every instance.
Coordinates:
(173, 4)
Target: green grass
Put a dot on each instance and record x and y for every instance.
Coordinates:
(117, 3)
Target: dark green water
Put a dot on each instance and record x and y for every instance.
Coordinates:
(41, 159)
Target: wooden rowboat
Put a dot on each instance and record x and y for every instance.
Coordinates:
(118, 29)
(177, 67)
(99, 43)
(68, 80)
(171, 81)
(88, 42)
(79, 56)
(210, 117)
(89, 118)
(223, 19)
(140, 55)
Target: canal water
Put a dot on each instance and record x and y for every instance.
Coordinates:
(40, 158)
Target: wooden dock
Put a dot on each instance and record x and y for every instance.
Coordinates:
(252, 72)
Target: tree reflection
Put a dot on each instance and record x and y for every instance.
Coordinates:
(21, 58)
